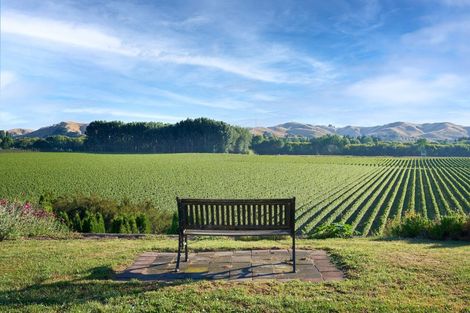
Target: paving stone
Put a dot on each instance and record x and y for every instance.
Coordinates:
(222, 259)
(240, 265)
(241, 258)
(240, 274)
(196, 268)
(206, 254)
(219, 275)
(144, 262)
(330, 268)
(323, 262)
(237, 266)
(201, 259)
(302, 253)
(304, 261)
(260, 252)
(150, 271)
(159, 261)
(223, 253)
(242, 252)
(283, 268)
(319, 252)
(225, 266)
(261, 270)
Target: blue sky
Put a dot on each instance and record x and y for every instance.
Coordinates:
(251, 63)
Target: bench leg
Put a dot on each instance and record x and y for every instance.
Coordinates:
(186, 248)
(293, 252)
(178, 257)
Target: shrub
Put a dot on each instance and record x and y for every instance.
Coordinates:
(143, 224)
(23, 220)
(77, 223)
(448, 227)
(142, 217)
(334, 230)
(174, 224)
(100, 227)
(89, 222)
(411, 225)
(455, 226)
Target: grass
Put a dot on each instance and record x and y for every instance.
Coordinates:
(383, 276)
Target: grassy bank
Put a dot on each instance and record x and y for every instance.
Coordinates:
(74, 275)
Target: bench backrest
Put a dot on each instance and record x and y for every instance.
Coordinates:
(236, 214)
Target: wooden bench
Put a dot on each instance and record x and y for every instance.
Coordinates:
(234, 217)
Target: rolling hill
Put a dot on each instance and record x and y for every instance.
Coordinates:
(398, 131)
(70, 129)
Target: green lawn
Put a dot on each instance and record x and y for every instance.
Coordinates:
(74, 275)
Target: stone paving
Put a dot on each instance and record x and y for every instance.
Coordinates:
(312, 265)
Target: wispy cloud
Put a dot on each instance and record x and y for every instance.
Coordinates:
(446, 35)
(63, 32)
(165, 50)
(404, 88)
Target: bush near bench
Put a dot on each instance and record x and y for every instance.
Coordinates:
(94, 214)
(455, 226)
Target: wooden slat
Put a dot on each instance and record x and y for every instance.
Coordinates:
(254, 214)
(249, 215)
(276, 212)
(232, 210)
(212, 214)
(202, 211)
(260, 214)
(196, 211)
(191, 215)
(206, 215)
(265, 216)
(217, 214)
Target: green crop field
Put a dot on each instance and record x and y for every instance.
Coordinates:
(361, 191)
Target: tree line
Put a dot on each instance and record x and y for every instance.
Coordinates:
(190, 135)
(360, 146)
(210, 136)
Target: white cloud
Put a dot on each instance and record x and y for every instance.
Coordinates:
(6, 78)
(63, 32)
(404, 88)
(124, 113)
(260, 65)
(446, 33)
(217, 103)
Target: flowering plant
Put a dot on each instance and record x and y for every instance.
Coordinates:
(18, 219)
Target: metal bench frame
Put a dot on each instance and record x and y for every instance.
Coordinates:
(234, 217)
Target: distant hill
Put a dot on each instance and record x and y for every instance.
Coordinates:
(70, 129)
(15, 132)
(398, 131)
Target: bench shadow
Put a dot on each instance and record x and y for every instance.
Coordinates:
(433, 243)
(97, 286)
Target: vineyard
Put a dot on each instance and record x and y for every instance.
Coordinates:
(361, 191)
